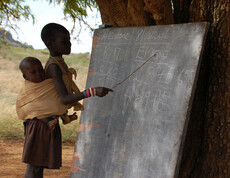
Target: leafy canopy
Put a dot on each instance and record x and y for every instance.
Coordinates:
(13, 11)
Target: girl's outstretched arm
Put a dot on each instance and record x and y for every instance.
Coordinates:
(55, 72)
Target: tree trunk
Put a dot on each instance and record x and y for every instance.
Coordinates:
(212, 157)
(207, 145)
(120, 13)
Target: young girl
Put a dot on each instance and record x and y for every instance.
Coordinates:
(57, 39)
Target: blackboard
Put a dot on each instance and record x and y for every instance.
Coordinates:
(138, 130)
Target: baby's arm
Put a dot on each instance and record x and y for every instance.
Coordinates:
(55, 72)
(73, 116)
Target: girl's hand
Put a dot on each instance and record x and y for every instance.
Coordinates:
(102, 91)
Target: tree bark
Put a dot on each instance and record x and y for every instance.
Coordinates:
(214, 154)
(181, 10)
(161, 11)
(120, 13)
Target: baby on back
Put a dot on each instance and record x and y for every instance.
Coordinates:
(38, 98)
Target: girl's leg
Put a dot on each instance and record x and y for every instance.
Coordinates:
(34, 171)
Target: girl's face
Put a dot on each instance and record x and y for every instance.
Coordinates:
(60, 45)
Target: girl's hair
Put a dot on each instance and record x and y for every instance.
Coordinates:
(49, 30)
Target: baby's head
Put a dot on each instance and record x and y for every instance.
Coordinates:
(32, 69)
(56, 38)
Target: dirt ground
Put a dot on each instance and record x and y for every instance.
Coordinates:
(11, 165)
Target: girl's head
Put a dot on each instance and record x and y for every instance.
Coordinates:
(32, 69)
(57, 39)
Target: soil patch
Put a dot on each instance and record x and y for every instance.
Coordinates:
(12, 166)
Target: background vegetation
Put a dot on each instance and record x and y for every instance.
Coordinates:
(11, 128)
